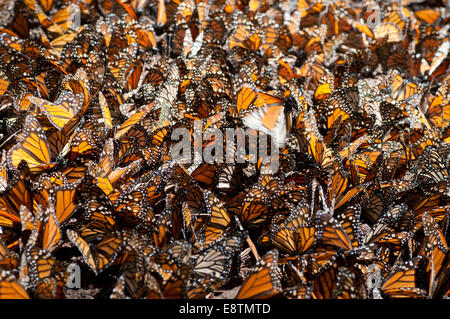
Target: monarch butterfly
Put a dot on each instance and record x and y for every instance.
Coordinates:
(131, 208)
(262, 282)
(205, 174)
(57, 140)
(245, 98)
(170, 265)
(9, 260)
(4, 83)
(346, 285)
(131, 144)
(331, 232)
(341, 105)
(438, 112)
(177, 285)
(119, 42)
(122, 68)
(324, 284)
(323, 156)
(75, 173)
(63, 110)
(419, 142)
(402, 89)
(134, 74)
(57, 45)
(439, 59)
(166, 98)
(338, 192)
(132, 203)
(191, 46)
(335, 283)
(193, 194)
(228, 178)
(219, 219)
(83, 247)
(234, 204)
(285, 72)
(153, 287)
(322, 92)
(433, 171)
(200, 288)
(440, 284)
(389, 31)
(106, 114)
(32, 147)
(20, 23)
(297, 233)
(40, 264)
(10, 288)
(390, 114)
(137, 286)
(145, 35)
(432, 204)
(59, 22)
(394, 227)
(406, 280)
(263, 112)
(108, 250)
(435, 246)
(188, 221)
(244, 36)
(255, 207)
(350, 219)
(43, 224)
(216, 26)
(93, 199)
(81, 142)
(16, 195)
(104, 254)
(216, 259)
(364, 162)
(154, 76)
(99, 160)
(98, 226)
(106, 174)
(46, 289)
(132, 120)
(427, 15)
(172, 256)
(128, 8)
(51, 229)
(298, 292)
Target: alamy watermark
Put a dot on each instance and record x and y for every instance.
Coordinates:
(189, 148)
(374, 277)
(74, 279)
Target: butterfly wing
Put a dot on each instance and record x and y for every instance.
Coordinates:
(32, 147)
(262, 282)
(10, 288)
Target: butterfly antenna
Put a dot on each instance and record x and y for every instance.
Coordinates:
(298, 272)
(195, 236)
(313, 195)
(248, 239)
(10, 137)
(432, 285)
(399, 259)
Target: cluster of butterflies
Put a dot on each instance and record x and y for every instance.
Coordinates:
(354, 94)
